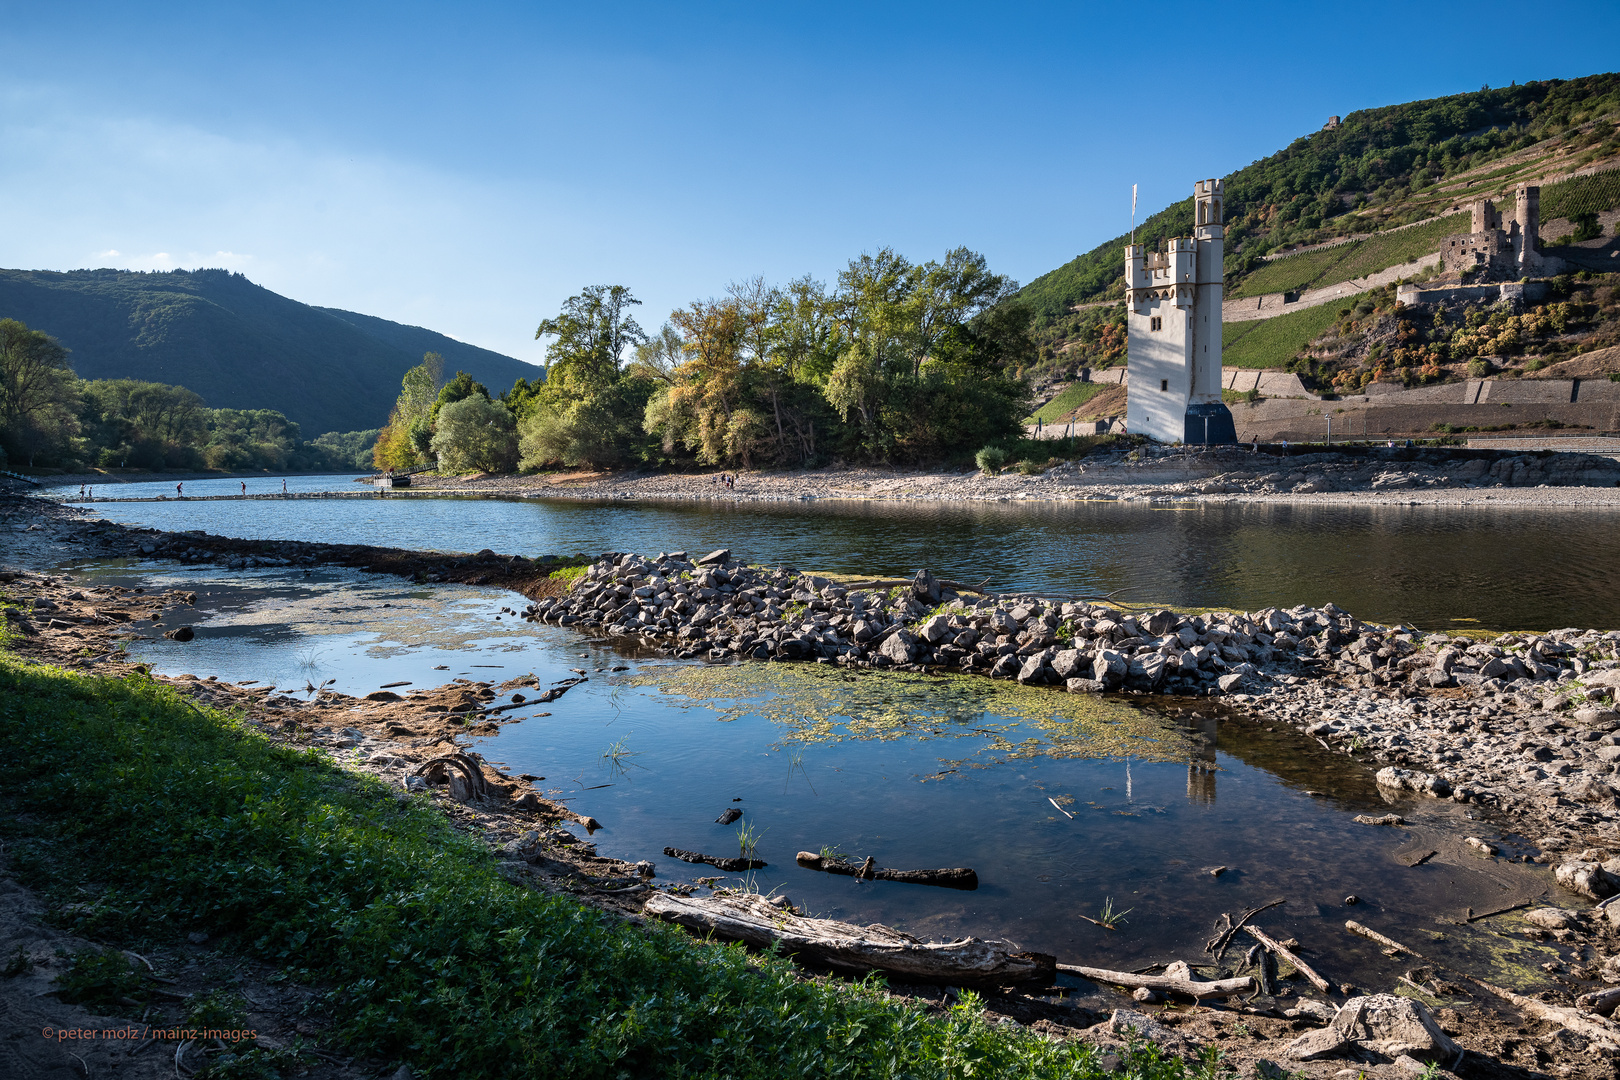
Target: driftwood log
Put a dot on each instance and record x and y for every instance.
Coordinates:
(756, 921)
(1300, 966)
(1163, 983)
(1604, 1033)
(719, 862)
(958, 877)
(1373, 935)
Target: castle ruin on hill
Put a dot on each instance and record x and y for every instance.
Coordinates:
(1498, 250)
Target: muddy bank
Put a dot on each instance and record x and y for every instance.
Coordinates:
(1387, 714)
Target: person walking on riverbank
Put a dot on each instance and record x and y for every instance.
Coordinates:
(244, 489)
(180, 490)
(284, 486)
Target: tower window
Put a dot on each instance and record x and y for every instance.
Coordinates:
(1164, 386)
(1156, 323)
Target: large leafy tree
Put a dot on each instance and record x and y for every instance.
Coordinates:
(38, 396)
(589, 410)
(476, 433)
(406, 441)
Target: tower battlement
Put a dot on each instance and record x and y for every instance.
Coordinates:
(1173, 305)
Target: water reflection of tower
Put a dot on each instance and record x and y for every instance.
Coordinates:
(1201, 766)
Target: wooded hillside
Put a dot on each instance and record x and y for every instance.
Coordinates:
(1378, 169)
(237, 344)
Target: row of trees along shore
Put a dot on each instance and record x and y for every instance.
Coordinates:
(51, 418)
(898, 362)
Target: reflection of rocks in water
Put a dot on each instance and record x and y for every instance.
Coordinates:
(1200, 782)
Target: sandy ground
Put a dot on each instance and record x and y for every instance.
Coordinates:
(396, 736)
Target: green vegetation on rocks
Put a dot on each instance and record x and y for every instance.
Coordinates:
(183, 820)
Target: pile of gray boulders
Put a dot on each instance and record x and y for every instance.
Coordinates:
(719, 607)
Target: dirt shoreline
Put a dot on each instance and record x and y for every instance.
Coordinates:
(1375, 476)
(392, 736)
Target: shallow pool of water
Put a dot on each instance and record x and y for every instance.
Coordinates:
(1064, 806)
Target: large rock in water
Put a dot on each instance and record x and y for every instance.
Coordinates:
(1067, 664)
(1420, 783)
(1589, 879)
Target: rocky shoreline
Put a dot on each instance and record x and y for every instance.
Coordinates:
(1523, 728)
(1360, 475)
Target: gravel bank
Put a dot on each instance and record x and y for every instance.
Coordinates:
(1365, 476)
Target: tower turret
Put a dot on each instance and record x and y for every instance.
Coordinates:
(1174, 318)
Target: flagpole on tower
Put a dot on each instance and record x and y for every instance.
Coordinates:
(1133, 214)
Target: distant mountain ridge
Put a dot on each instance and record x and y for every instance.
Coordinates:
(238, 344)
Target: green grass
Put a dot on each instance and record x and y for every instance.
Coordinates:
(1581, 195)
(1072, 397)
(1316, 269)
(176, 821)
(1271, 343)
(569, 575)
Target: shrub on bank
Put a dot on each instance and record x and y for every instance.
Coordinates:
(990, 460)
(190, 821)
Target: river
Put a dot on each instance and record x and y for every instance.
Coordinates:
(1066, 807)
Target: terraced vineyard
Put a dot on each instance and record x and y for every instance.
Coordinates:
(1581, 195)
(1315, 269)
(1271, 343)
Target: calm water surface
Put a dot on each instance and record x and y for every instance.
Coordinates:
(1512, 568)
(949, 777)
(954, 776)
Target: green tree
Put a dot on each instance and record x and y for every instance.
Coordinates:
(144, 425)
(475, 433)
(457, 389)
(590, 409)
(406, 441)
(38, 395)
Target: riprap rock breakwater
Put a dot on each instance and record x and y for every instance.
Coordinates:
(720, 607)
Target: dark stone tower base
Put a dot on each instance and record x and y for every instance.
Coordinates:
(1209, 424)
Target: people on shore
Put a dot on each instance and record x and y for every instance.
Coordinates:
(284, 486)
(244, 489)
(180, 490)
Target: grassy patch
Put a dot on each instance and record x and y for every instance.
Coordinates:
(1271, 343)
(568, 575)
(176, 820)
(1072, 397)
(1315, 269)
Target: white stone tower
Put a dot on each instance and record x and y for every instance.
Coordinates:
(1173, 301)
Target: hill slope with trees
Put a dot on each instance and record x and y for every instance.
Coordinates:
(1378, 169)
(237, 344)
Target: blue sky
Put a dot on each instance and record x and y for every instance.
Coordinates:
(467, 167)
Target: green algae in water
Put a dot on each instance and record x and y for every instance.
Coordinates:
(816, 704)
